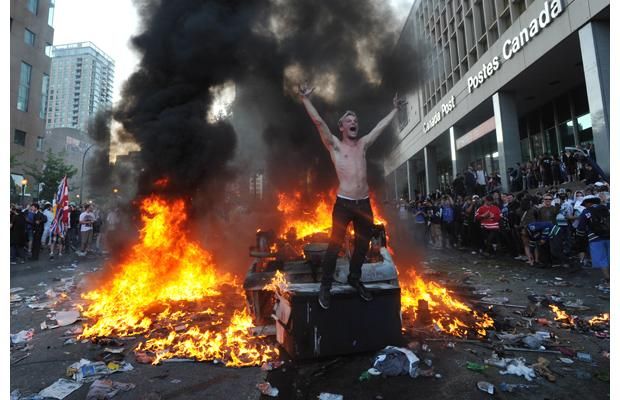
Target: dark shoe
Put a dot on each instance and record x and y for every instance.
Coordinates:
(361, 289)
(324, 297)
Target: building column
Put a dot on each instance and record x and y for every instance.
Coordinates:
(396, 196)
(507, 131)
(430, 166)
(594, 43)
(409, 181)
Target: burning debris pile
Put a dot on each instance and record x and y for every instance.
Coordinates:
(428, 302)
(167, 289)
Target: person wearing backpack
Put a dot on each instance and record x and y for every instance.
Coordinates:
(594, 222)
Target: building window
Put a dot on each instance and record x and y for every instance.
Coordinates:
(19, 137)
(24, 87)
(39, 143)
(50, 14)
(48, 49)
(44, 85)
(29, 37)
(32, 6)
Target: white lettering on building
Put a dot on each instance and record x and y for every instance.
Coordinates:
(547, 15)
(551, 10)
(487, 70)
(444, 110)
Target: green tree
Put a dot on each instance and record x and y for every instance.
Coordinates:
(50, 173)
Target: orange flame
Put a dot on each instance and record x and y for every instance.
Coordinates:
(316, 217)
(443, 308)
(599, 319)
(156, 285)
(561, 315)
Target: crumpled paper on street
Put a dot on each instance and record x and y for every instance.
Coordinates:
(60, 389)
(103, 389)
(518, 367)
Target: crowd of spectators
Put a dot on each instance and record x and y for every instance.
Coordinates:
(79, 231)
(551, 227)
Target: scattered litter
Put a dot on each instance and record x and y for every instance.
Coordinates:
(114, 350)
(532, 341)
(175, 381)
(517, 367)
(41, 306)
(364, 376)
(583, 375)
(566, 360)
(472, 366)
(144, 357)
(22, 336)
(374, 371)
(268, 390)
(16, 298)
(542, 368)
(106, 389)
(60, 389)
(450, 345)
(88, 371)
(513, 387)
(584, 357)
(16, 289)
(486, 387)
(602, 376)
(330, 396)
(393, 361)
(64, 318)
(496, 300)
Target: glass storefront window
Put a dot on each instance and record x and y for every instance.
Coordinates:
(551, 141)
(525, 150)
(584, 129)
(537, 144)
(566, 133)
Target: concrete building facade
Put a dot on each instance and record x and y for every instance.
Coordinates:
(32, 34)
(507, 81)
(81, 82)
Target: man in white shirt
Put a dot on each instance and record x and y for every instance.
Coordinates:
(87, 218)
(47, 211)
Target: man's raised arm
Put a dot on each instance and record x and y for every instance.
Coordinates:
(377, 130)
(329, 140)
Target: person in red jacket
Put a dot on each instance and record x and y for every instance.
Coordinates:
(489, 216)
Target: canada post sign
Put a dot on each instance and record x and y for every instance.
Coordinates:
(551, 10)
(435, 118)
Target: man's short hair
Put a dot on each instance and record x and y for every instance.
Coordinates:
(346, 114)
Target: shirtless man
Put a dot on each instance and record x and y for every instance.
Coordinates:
(352, 203)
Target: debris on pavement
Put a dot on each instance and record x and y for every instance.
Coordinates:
(541, 368)
(486, 387)
(60, 389)
(102, 389)
(513, 387)
(517, 367)
(64, 318)
(88, 371)
(22, 336)
(330, 396)
(472, 366)
(268, 390)
(394, 361)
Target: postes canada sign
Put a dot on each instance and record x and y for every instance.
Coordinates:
(551, 10)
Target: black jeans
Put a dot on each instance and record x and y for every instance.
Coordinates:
(360, 213)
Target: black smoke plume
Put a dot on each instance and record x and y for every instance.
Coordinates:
(265, 48)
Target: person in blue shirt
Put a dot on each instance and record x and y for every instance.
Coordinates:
(447, 222)
(420, 219)
(544, 239)
(594, 223)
